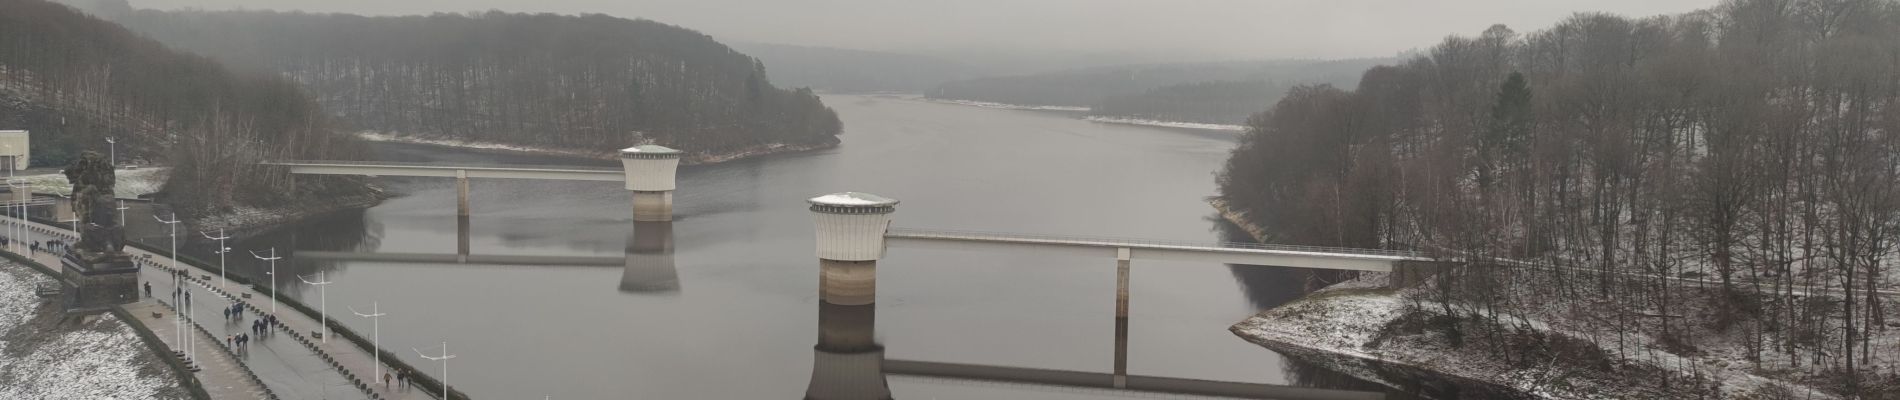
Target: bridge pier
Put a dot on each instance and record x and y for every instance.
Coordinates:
(1122, 259)
(461, 193)
(650, 175)
(848, 363)
(851, 229)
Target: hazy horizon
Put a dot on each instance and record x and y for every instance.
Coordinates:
(1191, 30)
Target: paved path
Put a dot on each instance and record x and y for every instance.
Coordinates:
(220, 372)
(289, 366)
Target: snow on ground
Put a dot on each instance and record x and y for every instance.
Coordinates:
(1005, 106)
(131, 182)
(1349, 320)
(468, 144)
(44, 356)
(17, 301)
(1166, 124)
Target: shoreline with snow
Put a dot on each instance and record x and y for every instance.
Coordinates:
(1166, 124)
(1007, 106)
(1363, 329)
(1359, 328)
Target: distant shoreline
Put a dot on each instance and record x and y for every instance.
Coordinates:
(1166, 124)
(1083, 111)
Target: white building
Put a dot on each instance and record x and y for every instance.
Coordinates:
(14, 149)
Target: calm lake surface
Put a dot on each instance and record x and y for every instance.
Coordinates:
(731, 312)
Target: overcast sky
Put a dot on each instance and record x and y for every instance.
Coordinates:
(1207, 28)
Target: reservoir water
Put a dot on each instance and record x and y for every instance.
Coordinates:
(731, 312)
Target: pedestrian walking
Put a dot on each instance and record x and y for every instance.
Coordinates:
(148, 289)
(386, 380)
(230, 341)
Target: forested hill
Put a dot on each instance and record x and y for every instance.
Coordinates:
(855, 71)
(589, 82)
(74, 80)
(1088, 87)
(1754, 145)
(1217, 102)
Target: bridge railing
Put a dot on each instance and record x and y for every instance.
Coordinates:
(1105, 241)
(441, 165)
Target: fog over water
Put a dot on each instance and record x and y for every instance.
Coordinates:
(1127, 30)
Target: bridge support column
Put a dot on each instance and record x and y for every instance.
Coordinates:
(851, 229)
(650, 175)
(1410, 273)
(1122, 259)
(461, 193)
(848, 363)
(461, 238)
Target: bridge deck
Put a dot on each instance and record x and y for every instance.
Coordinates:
(1226, 253)
(450, 258)
(1104, 381)
(376, 168)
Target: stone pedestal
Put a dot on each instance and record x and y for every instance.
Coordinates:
(98, 281)
(652, 206)
(1407, 274)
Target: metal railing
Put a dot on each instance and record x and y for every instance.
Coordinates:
(424, 165)
(1105, 241)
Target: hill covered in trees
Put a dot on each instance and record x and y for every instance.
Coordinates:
(855, 71)
(1127, 88)
(1723, 183)
(74, 80)
(1217, 102)
(588, 82)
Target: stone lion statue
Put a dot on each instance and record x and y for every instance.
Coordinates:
(93, 179)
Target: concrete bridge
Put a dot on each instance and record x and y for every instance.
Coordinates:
(647, 266)
(647, 170)
(853, 231)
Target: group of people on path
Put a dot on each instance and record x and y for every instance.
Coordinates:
(50, 246)
(237, 341)
(400, 380)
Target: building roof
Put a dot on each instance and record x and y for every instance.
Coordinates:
(648, 149)
(853, 200)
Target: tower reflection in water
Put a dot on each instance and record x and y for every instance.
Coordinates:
(847, 363)
(650, 267)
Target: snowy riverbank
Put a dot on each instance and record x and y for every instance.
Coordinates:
(131, 183)
(44, 355)
(1359, 328)
(1166, 124)
(1006, 106)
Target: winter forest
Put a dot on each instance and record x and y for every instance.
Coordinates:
(1719, 181)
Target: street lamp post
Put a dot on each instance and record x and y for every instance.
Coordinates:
(221, 250)
(273, 276)
(122, 209)
(174, 225)
(375, 334)
(444, 358)
(75, 222)
(323, 291)
(16, 229)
